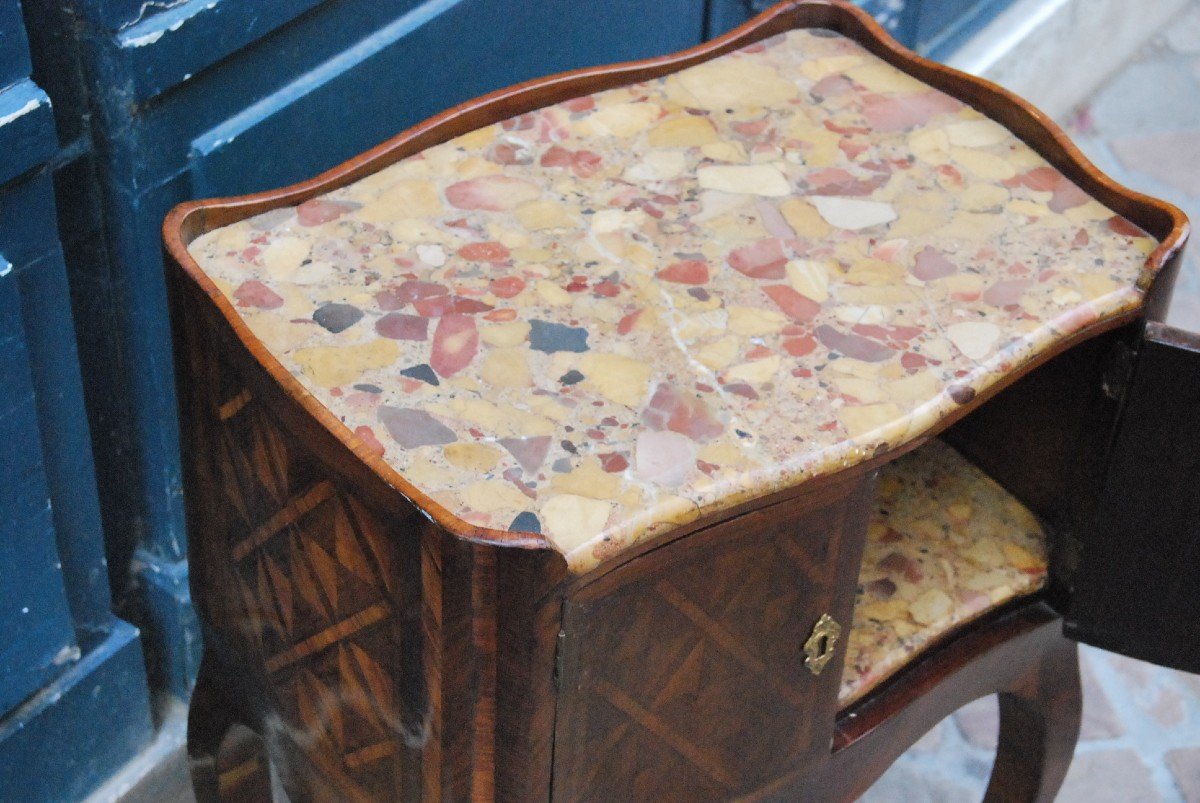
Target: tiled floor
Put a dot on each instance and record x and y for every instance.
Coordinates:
(1140, 739)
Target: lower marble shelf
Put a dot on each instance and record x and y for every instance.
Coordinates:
(946, 544)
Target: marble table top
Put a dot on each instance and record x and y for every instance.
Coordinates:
(605, 318)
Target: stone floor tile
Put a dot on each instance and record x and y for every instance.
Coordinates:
(1100, 721)
(913, 784)
(1104, 776)
(1172, 157)
(1185, 769)
(979, 722)
(1147, 96)
(1183, 35)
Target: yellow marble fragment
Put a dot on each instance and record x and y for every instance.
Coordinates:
(491, 496)
(804, 218)
(589, 480)
(621, 120)
(762, 179)
(684, 131)
(506, 368)
(624, 380)
(476, 458)
(544, 214)
(330, 366)
(718, 85)
(572, 519)
(861, 419)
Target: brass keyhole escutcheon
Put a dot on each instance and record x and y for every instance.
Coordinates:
(819, 647)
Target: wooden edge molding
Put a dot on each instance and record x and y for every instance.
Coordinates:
(189, 220)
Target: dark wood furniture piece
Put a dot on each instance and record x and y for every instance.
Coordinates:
(386, 644)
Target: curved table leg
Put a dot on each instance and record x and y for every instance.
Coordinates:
(1039, 724)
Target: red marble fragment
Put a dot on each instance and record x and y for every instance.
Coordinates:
(1120, 225)
(556, 156)
(877, 332)
(455, 342)
(607, 289)
(851, 345)
(1008, 291)
(490, 251)
(438, 306)
(613, 463)
(689, 271)
(687, 415)
(799, 346)
(254, 293)
(398, 326)
(501, 315)
(742, 389)
(882, 589)
(1081, 237)
(367, 436)
(902, 564)
(751, 128)
(1039, 179)
(585, 164)
(316, 211)
(506, 153)
(507, 286)
(932, 264)
(586, 103)
(796, 306)
(760, 260)
(626, 324)
(835, 181)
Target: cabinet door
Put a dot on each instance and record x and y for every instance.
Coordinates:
(1136, 589)
(682, 673)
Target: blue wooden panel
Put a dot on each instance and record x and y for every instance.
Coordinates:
(14, 53)
(944, 25)
(898, 17)
(36, 637)
(65, 741)
(26, 129)
(165, 48)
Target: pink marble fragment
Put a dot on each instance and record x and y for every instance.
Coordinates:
(316, 211)
(455, 342)
(529, 452)
(760, 260)
(507, 286)
(663, 457)
(256, 294)
(438, 306)
(932, 264)
(398, 326)
(854, 346)
(491, 193)
(885, 113)
(1008, 291)
(678, 412)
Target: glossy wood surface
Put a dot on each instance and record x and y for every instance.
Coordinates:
(388, 650)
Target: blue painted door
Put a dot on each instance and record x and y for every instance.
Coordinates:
(67, 663)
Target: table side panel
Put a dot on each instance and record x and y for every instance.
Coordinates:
(687, 680)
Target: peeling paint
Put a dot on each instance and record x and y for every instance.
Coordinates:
(29, 106)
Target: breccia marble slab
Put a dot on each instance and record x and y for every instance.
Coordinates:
(607, 317)
(946, 544)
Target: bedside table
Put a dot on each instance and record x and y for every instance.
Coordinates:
(696, 428)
